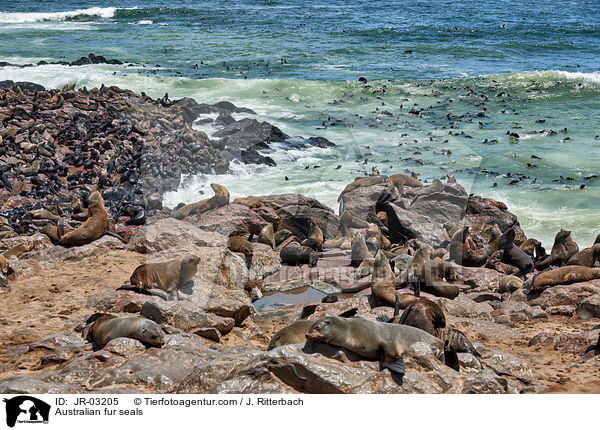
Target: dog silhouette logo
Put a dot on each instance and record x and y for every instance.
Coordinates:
(26, 409)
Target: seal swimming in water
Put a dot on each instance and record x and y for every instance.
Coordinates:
(168, 276)
(102, 328)
(374, 340)
(563, 275)
(295, 254)
(93, 228)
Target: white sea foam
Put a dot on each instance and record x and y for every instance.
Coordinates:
(21, 17)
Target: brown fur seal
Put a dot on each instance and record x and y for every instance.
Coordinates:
(167, 276)
(296, 332)
(587, 257)
(108, 327)
(383, 285)
(373, 340)
(508, 284)
(362, 182)
(237, 242)
(399, 180)
(359, 250)
(281, 236)
(267, 236)
(563, 275)
(295, 254)
(221, 198)
(424, 314)
(562, 250)
(315, 237)
(433, 279)
(93, 228)
(2, 263)
(495, 262)
(366, 267)
(463, 251)
(529, 246)
(3, 280)
(250, 201)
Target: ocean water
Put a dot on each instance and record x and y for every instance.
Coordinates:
(447, 82)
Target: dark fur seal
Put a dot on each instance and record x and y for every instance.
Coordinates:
(167, 276)
(93, 228)
(514, 255)
(108, 327)
(563, 275)
(295, 254)
(373, 340)
(383, 285)
(424, 314)
(562, 250)
(495, 262)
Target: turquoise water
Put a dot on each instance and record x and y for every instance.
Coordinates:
(447, 81)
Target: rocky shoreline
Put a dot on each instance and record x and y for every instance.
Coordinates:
(57, 146)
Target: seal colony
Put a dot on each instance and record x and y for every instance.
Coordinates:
(403, 266)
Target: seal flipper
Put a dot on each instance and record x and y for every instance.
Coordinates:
(382, 318)
(450, 357)
(349, 313)
(397, 307)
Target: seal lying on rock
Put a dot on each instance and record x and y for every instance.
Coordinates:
(563, 275)
(102, 328)
(587, 257)
(433, 279)
(375, 340)
(237, 242)
(221, 198)
(464, 252)
(295, 254)
(167, 276)
(93, 228)
(296, 332)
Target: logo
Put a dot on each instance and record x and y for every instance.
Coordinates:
(26, 409)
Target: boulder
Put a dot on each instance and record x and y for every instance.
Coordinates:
(589, 307)
(362, 200)
(561, 295)
(228, 218)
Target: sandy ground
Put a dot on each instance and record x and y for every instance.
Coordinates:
(54, 301)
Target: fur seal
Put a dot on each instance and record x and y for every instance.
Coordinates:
(3, 280)
(399, 180)
(383, 285)
(167, 276)
(587, 257)
(514, 255)
(221, 198)
(562, 250)
(105, 328)
(433, 279)
(359, 250)
(93, 228)
(373, 340)
(315, 237)
(495, 262)
(295, 254)
(281, 236)
(463, 250)
(267, 235)
(529, 246)
(563, 275)
(366, 267)
(424, 314)
(296, 332)
(237, 242)
(250, 201)
(508, 284)
(362, 182)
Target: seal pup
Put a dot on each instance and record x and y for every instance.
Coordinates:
(315, 237)
(495, 262)
(167, 276)
(267, 235)
(296, 332)
(359, 250)
(587, 257)
(237, 242)
(102, 328)
(563, 275)
(93, 228)
(373, 340)
(508, 284)
(563, 249)
(295, 254)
